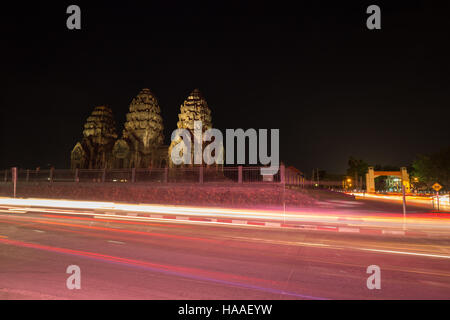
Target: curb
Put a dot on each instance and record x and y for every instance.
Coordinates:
(330, 228)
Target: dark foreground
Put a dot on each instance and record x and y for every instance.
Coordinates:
(162, 260)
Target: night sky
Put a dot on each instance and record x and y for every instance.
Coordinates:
(313, 70)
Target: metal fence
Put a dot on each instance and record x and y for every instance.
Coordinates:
(199, 174)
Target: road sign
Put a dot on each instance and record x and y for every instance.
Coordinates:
(437, 187)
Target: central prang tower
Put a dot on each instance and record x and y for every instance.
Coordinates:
(141, 145)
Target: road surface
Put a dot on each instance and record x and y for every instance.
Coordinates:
(122, 259)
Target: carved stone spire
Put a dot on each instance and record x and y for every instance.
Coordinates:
(99, 135)
(100, 127)
(194, 108)
(144, 122)
(143, 131)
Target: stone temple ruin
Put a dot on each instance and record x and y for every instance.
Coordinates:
(193, 109)
(99, 136)
(142, 142)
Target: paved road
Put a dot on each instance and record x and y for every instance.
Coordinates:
(163, 260)
(413, 203)
(349, 212)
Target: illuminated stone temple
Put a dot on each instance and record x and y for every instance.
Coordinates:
(142, 142)
(194, 108)
(141, 145)
(99, 136)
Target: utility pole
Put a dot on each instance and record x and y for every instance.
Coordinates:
(437, 199)
(14, 179)
(404, 205)
(317, 177)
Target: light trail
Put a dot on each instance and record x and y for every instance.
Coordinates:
(111, 209)
(185, 272)
(427, 201)
(94, 229)
(346, 247)
(408, 253)
(120, 234)
(123, 231)
(102, 219)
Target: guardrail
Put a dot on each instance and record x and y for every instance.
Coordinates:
(196, 174)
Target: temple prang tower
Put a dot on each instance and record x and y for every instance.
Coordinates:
(141, 145)
(94, 151)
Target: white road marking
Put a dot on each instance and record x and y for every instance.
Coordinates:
(397, 232)
(21, 210)
(116, 242)
(296, 243)
(407, 253)
(345, 229)
(13, 211)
